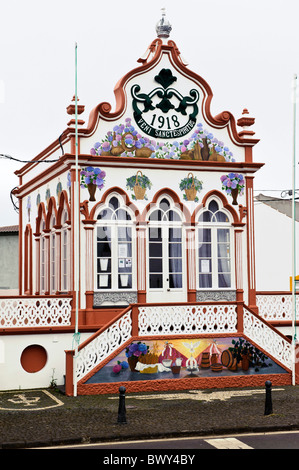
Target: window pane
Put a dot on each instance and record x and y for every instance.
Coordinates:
(113, 203)
(224, 265)
(175, 265)
(124, 250)
(103, 250)
(155, 234)
(205, 266)
(221, 217)
(204, 250)
(104, 233)
(173, 216)
(205, 280)
(156, 216)
(213, 206)
(156, 281)
(124, 265)
(155, 265)
(204, 235)
(164, 205)
(125, 281)
(223, 250)
(104, 281)
(224, 280)
(155, 250)
(122, 214)
(105, 214)
(124, 233)
(175, 250)
(175, 281)
(104, 265)
(223, 235)
(175, 234)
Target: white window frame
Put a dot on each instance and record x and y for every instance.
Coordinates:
(65, 255)
(43, 262)
(116, 255)
(52, 258)
(214, 226)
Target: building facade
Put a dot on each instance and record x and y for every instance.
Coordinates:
(138, 240)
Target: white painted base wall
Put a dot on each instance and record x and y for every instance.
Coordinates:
(12, 374)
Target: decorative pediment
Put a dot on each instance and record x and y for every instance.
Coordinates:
(164, 106)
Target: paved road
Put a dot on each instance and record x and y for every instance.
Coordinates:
(281, 440)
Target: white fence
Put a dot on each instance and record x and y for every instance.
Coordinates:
(25, 312)
(102, 345)
(187, 319)
(267, 338)
(276, 307)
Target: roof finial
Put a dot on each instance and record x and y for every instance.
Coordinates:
(163, 27)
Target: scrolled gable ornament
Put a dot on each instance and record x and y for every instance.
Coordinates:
(164, 112)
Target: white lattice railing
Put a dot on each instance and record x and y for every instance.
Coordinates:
(100, 346)
(187, 319)
(155, 320)
(182, 319)
(25, 312)
(267, 338)
(276, 307)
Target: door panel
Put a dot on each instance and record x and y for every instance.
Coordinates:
(166, 265)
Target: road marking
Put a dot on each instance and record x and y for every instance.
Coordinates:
(228, 443)
(34, 400)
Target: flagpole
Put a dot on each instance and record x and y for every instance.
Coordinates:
(294, 234)
(76, 230)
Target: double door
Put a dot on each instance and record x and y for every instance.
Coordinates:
(166, 264)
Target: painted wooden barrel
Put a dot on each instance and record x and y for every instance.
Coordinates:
(228, 360)
(205, 360)
(216, 367)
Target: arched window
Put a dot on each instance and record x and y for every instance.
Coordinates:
(64, 254)
(214, 239)
(52, 255)
(115, 246)
(43, 260)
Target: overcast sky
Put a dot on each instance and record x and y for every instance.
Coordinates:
(248, 52)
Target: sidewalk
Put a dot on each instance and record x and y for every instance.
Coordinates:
(47, 417)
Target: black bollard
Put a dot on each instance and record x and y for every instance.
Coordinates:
(122, 407)
(268, 403)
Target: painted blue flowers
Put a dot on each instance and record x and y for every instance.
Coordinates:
(92, 178)
(125, 141)
(232, 181)
(136, 349)
(233, 184)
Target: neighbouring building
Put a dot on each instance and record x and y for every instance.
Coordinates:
(9, 270)
(137, 260)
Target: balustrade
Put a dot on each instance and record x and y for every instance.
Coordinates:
(26, 312)
(275, 307)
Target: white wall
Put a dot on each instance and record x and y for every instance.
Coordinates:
(273, 242)
(12, 374)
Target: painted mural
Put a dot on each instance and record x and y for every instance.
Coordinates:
(183, 358)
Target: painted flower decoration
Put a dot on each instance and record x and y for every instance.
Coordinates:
(126, 139)
(91, 175)
(137, 349)
(233, 181)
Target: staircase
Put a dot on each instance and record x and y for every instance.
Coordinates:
(141, 322)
